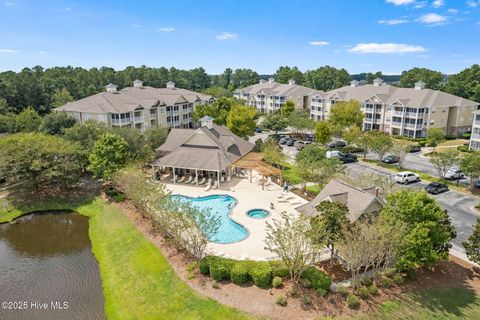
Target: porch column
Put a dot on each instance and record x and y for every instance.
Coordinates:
(196, 177)
(251, 175)
(218, 178)
(174, 178)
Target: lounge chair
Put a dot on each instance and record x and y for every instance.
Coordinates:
(228, 178)
(269, 181)
(222, 178)
(181, 179)
(280, 196)
(215, 184)
(194, 180)
(202, 181)
(189, 179)
(209, 184)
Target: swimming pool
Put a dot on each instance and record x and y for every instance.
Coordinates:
(258, 213)
(219, 205)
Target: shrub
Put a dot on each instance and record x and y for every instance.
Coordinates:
(321, 292)
(306, 301)
(239, 273)
(352, 301)
(261, 274)
(219, 272)
(366, 281)
(305, 283)
(281, 301)
(293, 292)
(398, 279)
(387, 283)
(422, 143)
(466, 135)
(215, 284)
(390, 272)
(279, 269)
(276, 282)
(373, 290)
(192, 266)
(204, 267)
(463, 148)
(343, 291)
(317, 278)
(363, 293)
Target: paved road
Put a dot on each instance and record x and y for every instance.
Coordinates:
(459, 206)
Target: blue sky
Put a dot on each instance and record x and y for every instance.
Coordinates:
(361, 36)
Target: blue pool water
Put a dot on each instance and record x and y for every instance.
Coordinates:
(220, 206)
(258, 213)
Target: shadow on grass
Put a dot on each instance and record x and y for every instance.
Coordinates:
(449, 301)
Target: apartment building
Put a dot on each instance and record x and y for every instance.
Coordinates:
(401, 111)
(139, 106)
(475, 138)
(269, 96)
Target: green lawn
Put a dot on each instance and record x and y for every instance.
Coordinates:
(289, 173)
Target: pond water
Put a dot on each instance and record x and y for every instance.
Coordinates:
(48, 270)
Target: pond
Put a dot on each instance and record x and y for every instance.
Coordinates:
(47, 269)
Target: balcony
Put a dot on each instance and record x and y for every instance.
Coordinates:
(172, 112)
(139, 119)
(476, 123)
(475, 136)
(121, 122)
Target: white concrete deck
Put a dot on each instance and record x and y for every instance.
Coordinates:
(249, 196)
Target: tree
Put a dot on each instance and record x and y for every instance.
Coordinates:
(287, 108)
(364, 180)
(27, 121)
(364, 141)
(401, 148)
(60, 97)
(138, 148)
(443, 161)
(326, 78)
(369, 77)
(428, 230)
(258, 147)
(155, 137)
(351, 134)
(300, 120)
(218, 110)
(40, 160)
(323, 132)
(241, 120)
(465, 84)
(8, 122)
(244, 78)
(4, 108)
(380, 142)
(472, 245)
(56, 123)
(435, 136)
(109, 154)
(218, 92)
(470, 165)
(275, 122)
(330, 225)
(346, 113)
(285, 74)
(272, 153)
(289, 240)
(86, 133)
(313, 166)
(432, 79)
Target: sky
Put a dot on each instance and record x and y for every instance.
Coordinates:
(358, 35)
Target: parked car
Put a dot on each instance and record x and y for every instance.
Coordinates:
(415, 148)
(310, 137)
(407, 177)
(390, 158)
(283, 140)
(290, 142)
(299, 145)
(337, 144)
(258, 130)
(436, 188)
(343, 157)
(454, 174)
(477, 184)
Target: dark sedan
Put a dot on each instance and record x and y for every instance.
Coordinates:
(337, 144)
(436, 188)
(283, 140)
(390, 159)
(416, 148)
(347, 158)
(290, 142)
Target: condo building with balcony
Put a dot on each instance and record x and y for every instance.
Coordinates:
(401, 111)
(269, 96)
(139, 106)
(475, 137)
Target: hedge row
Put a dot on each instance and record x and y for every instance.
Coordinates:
(260, 272)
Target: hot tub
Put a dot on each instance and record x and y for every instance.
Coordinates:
(258, 213)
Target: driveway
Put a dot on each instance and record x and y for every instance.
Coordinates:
(459, 206)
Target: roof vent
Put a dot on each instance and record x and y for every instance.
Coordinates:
(271, 80)
(354, 83)
(206, 122)
(111, 88)
(137, 83)
(378, 82)
(262, 81)
(170, 84)
(420, 85)
(291, 82)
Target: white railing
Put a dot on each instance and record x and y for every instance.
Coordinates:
(138, 119)
(475, 136)
(121, 121)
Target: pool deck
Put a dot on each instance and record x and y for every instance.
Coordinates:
(249, 196)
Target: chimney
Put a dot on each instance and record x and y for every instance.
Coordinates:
(291, 82)
(262, 81)
(271, 80)
(170, 84)
(111, 88)
(420, 85)
(377, 82)
(137, 83)
(206, 122)
(354, 83)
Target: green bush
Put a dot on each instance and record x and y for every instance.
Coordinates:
(276, 282)
(373, 290)
(390, 272)
(398, 279)
(352, 302)
(281, 301)
(305, 283)
(466, 135)
(239, 273)
(219, 272)
(261, 274)
(306, 301)
(366, 281)
(215, 284)
(279, 269)
(317, 278)
(293, 292)
(422, 143)
(206, 262)
(463, 149)
(363, 293)
(387, 283)
(342, 291)
(321, 292)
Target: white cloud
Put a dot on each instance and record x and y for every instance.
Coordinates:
(452, 11)
(42, 52)
(226, 36)
(420, 5)
(438, 3)
(386, 48)
(166, 29)
(393, 22)
(472, 4)
(319, 43)
(10, 3)
(8, 51)
(433, 19)
(136, 25)
(400, 2)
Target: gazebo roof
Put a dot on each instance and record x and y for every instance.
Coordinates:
(254, 161)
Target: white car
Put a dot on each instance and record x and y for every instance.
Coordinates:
(454, 174)
(407, 177)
